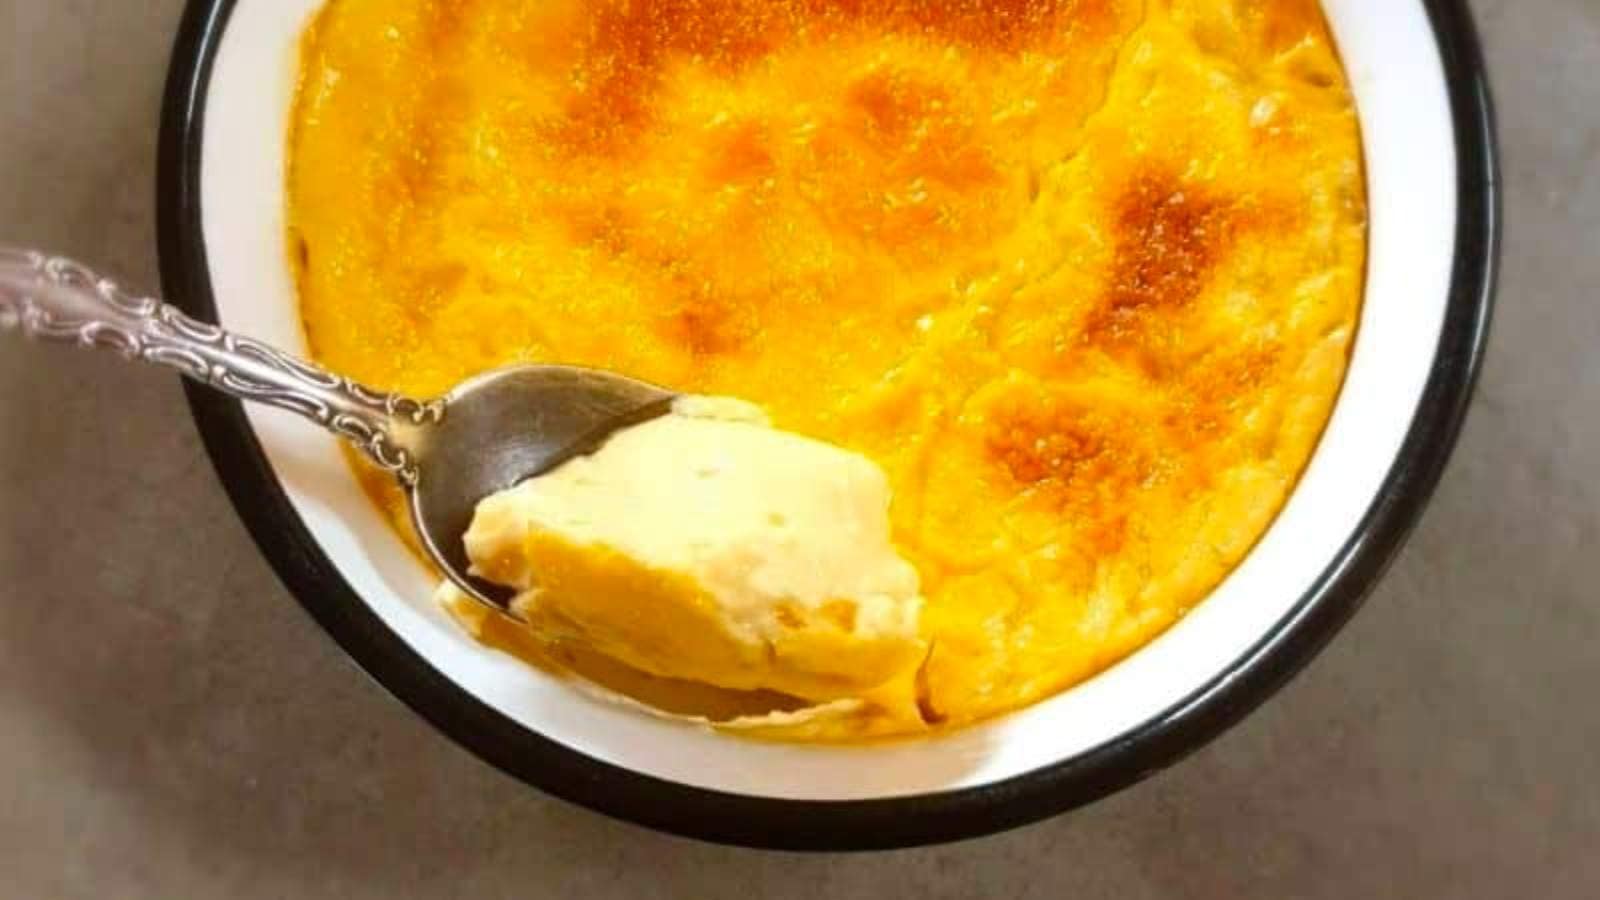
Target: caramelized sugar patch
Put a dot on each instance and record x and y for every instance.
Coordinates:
(1169, 237)
(1217, 388)
(708, 324)
(1084, 458)
(628, 44)
(909, 168)
(922, 123)
(741, 155)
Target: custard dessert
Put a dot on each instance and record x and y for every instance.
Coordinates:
(1080, 277)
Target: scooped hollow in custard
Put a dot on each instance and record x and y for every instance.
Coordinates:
(708, 547)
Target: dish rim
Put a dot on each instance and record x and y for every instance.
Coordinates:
(884, 823)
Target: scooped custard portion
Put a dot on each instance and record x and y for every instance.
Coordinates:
(1079, 276)
(706, 546)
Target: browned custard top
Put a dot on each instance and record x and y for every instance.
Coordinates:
(1081, 275)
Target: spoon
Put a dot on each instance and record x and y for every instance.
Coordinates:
(488, 434)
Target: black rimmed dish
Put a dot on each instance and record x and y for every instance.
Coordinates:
(1418, 79)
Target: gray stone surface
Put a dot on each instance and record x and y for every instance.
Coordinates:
(171, 725)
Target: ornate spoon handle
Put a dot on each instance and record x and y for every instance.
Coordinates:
(55, 299)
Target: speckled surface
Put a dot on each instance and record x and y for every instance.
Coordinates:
(172, 725)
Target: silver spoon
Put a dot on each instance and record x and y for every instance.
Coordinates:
(488, 434)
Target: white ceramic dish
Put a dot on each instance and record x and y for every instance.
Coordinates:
(1418, 82)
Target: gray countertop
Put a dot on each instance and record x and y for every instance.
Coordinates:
(172, 725)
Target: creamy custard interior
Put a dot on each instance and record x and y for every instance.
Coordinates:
(1081, 276)
(707, 546)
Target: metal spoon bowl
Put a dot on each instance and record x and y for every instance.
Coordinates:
(488, 434)
(502, 428)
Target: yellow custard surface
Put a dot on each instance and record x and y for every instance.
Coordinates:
(1081, 276)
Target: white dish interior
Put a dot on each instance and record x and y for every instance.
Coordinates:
(1394, 67)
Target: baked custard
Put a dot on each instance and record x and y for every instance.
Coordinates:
(706, 546)
(1079, 276)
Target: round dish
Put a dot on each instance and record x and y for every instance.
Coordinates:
(1417, 78)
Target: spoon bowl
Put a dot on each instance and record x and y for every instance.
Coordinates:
(504, 427)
